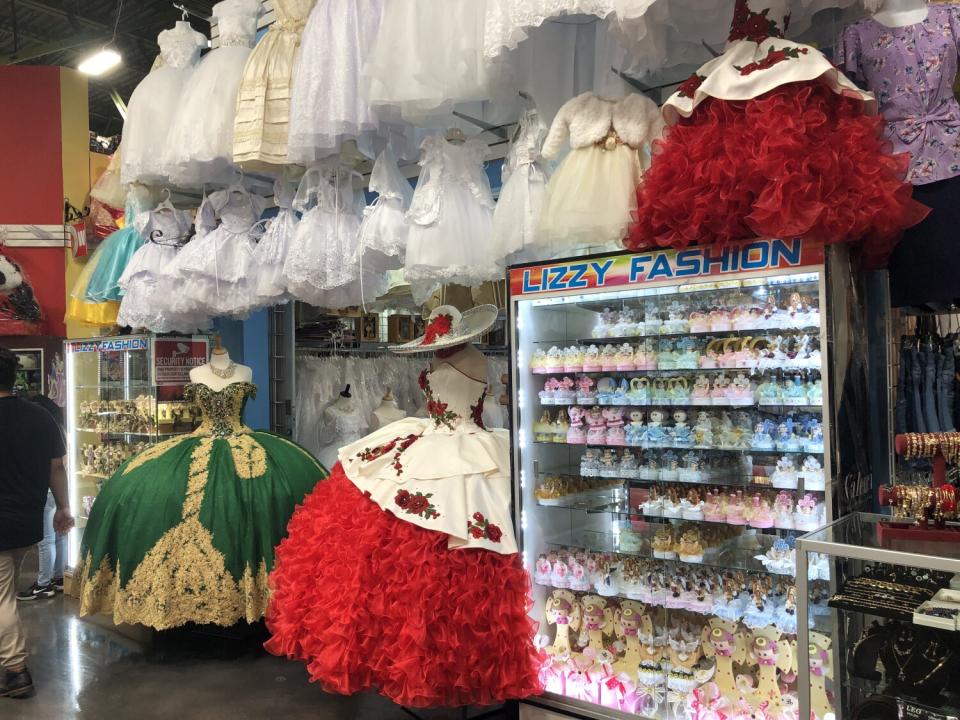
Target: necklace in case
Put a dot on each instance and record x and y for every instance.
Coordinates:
(225, 372)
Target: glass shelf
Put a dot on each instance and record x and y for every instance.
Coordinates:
(779, 409)
(737, 554)
(751, 332)
(143, 384)
(750, 371)
(134, 434)
(741, 451)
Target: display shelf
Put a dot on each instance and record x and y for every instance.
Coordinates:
(737, 554)
(719, 334)
(98, 476)
(133, 434)
(760, 407)
(751, 371)
(119, 385)
(729, 450)
(747, 482)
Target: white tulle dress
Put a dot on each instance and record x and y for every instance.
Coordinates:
(148, 282)
(522, 194)
(384, 230)
(156, 102)
(592, 195)
(322, 267)
(451, 219)
(428, 55)
(217, 267)
(199, 148)
(270, 253)
(326, 106)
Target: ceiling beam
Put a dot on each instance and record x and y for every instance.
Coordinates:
(39, 50)
(94, 24)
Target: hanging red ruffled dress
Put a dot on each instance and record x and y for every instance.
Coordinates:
(771, 140)
(400, 573)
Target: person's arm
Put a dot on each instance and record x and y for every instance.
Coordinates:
(62, 518)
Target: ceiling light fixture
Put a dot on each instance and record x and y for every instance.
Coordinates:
(101, 61)
(106, 58)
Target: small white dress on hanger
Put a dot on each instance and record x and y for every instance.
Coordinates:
(592, 195)
(522, 194)
(428, 55)
(147, 282)
(217, 267)
(322, 268)
(347, 425)
(451, 219)
(199, 148)
(155, 103)
(270, 253)
(384, 230)
(326, 106)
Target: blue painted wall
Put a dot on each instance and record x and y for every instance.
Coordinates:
(246, 341)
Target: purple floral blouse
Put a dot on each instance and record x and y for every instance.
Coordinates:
(911, 70)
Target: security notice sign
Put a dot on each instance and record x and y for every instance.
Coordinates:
(174, 358)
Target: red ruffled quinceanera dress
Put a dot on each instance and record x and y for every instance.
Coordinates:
(401, 571)
(771, 140)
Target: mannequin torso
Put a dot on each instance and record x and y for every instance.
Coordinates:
(388, 411)
(900, 13)
(220, 372)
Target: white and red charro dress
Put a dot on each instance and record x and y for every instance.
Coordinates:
(401, 572)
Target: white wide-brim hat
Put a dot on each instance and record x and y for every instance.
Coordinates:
(447, 327)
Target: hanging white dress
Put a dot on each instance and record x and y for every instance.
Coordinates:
(326, 106)
(428, 55)
(270, 253)
(147, 282)
(384, 230)
(217, 268)
(451, 219)
(155, 103)
(522, 194)
(261, 129)
(199, 148)
(322, 267)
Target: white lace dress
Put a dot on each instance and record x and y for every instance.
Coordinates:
(451, 219)
(155, 103)
(341, 426)
(217, 268)
(522, 194)
(147, 282)
(384, 230)
(199, 148)
(428, 56)
(322, 267)
(326, 106)
(270, 253)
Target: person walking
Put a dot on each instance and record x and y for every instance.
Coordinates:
(52, 550)
(31, 462)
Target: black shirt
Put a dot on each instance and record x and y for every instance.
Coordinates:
(29, 440)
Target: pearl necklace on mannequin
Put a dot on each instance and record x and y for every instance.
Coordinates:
(897, 13)
(220, 371)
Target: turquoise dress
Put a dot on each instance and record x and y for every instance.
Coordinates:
(111, 258)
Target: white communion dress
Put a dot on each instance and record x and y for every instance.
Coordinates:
(270, 253)
(384, 230)
(451, 219)
(327, 107)
(263, 106)
(199, 148)
(217, 267)
(147, 281)
(156, 102)
(592, 195)
(523, 192)
(343, 424)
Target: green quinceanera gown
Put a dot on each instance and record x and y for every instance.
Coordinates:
(185, 531)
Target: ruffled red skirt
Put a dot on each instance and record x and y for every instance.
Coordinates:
(372, 602)
(798, 161)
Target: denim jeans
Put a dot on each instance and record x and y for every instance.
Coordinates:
(901, 421)
(53, 548)
(929, 365)
(945, 380)
(916, 381)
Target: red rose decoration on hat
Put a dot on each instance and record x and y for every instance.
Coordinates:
(436, 328)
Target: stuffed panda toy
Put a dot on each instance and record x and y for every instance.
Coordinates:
(16, 295)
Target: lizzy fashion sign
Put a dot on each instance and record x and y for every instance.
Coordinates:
(613, 271)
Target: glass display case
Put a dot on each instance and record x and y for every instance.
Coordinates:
(889, 648)
(123, 395)
(669, 443)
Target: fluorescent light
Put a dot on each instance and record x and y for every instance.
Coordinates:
(101, 61)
